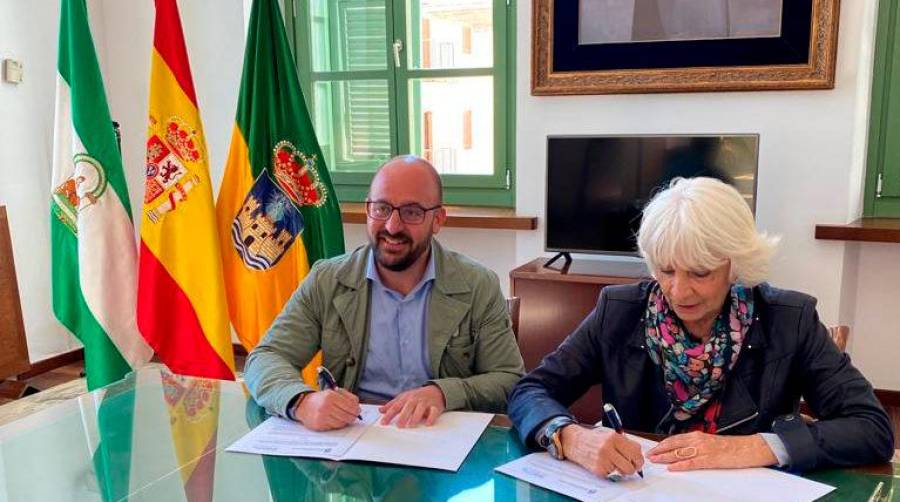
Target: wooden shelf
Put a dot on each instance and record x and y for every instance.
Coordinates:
(863, 229)
(458, 217)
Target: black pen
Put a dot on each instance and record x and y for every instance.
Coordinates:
(616, 422)
(327, 382)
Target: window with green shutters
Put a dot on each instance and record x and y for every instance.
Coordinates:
(882, 197)
(429, 77)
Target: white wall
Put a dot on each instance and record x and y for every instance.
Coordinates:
(28, 33)
(812, 153)
(875, 336)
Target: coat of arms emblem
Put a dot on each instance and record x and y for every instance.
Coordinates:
(270, 219)
(168, 179)
(80, 191)
(194, 396)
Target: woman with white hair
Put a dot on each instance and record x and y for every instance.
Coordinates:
(706, 353)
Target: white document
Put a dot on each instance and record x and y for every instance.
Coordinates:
(444, 445)
(659, 484)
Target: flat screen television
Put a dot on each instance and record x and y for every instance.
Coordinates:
(597, 186)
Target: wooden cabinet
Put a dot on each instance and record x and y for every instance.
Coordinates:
(553, 302)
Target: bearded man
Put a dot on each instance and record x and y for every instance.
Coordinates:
(400, 321)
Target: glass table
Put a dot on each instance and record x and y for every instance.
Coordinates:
(158, 437)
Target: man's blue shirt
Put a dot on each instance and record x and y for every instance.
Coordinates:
(397, 356)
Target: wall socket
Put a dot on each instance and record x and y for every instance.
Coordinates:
(12, 71)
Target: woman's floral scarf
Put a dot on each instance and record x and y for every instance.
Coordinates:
(695, 372)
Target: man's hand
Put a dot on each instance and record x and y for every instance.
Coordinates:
(413, 407)
(601, 451)
(327, 409)
(699, 450)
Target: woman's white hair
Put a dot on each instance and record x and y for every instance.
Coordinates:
(701, 224)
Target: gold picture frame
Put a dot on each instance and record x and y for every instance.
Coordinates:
(817, 73)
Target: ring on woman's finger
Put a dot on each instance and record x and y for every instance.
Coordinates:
(686, 452)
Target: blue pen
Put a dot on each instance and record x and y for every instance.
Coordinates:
(616, 422)
(327, 382)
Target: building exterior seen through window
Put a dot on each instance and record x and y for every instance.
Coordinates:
(430, 77)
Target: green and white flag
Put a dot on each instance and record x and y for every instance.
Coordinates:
(93, 241)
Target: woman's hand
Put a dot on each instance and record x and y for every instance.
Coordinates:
(601, 451)
(699, 450)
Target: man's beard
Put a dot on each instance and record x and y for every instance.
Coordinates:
(399, 263)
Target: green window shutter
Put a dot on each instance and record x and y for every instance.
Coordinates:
(366, 126)
(882, 197)
(361, 37)
(367, 130)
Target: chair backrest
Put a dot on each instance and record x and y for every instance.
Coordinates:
(13, 349)
(840, 335)
(512, 304)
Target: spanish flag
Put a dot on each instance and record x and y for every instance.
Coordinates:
(193, 405)
(277, 209)
(181, 296)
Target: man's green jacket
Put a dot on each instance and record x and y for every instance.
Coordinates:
(472, 349)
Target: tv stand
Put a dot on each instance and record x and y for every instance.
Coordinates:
(565, 256)
(553, 303)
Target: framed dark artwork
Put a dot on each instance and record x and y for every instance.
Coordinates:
(644, 46)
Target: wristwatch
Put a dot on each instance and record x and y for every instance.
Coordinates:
(292, 405)
(550, 437)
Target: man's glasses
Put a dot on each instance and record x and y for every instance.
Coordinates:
(412, 214)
